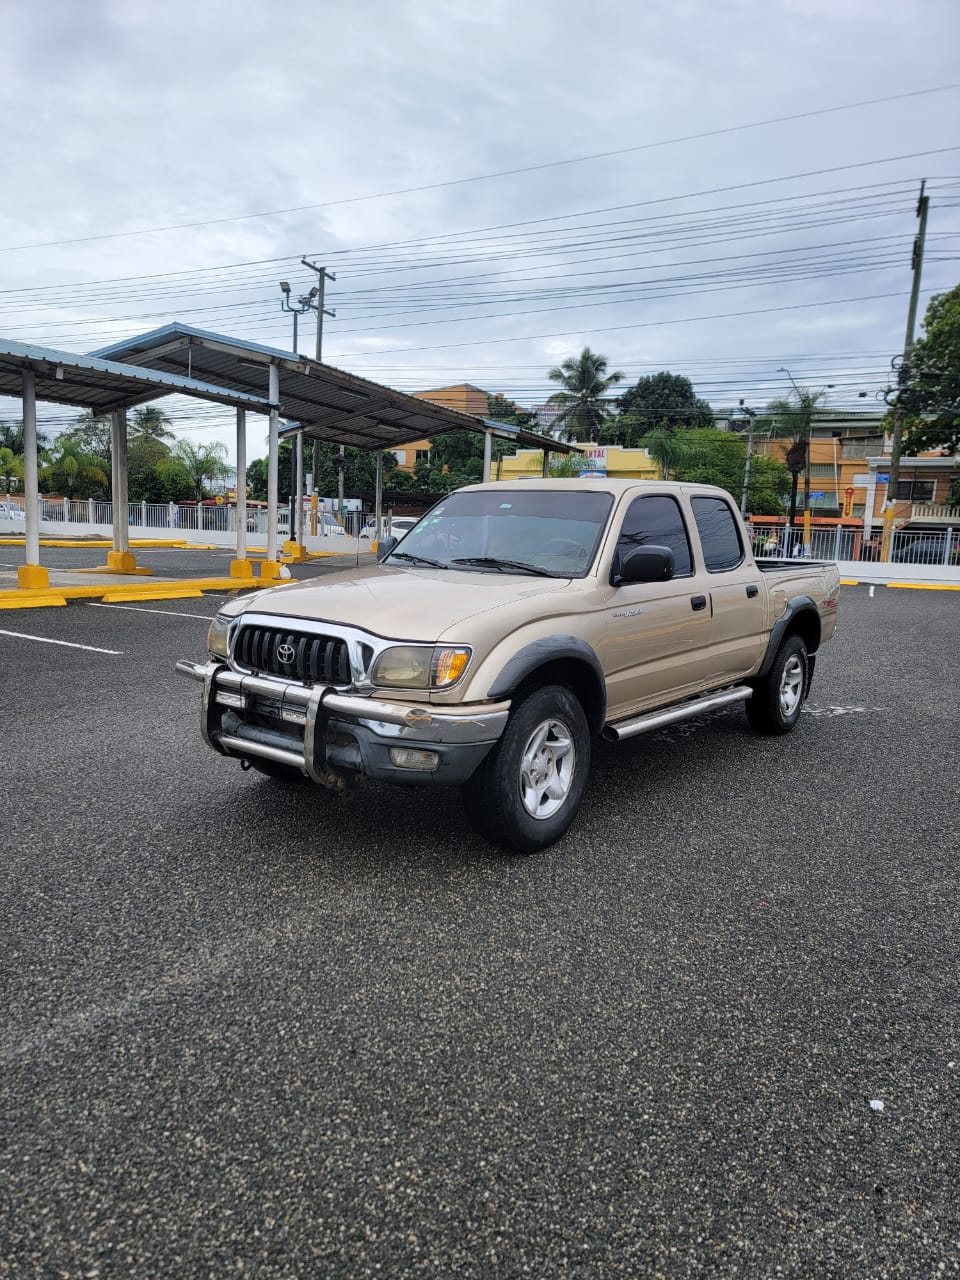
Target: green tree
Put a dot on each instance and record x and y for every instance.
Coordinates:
(665, 400)
(154, 474)
(709, 456)
(794, 416)
(933, 391)
(74, 473)
(667, 447)
(150, 420)
(11, 468)
(91, 434)
(203, 461)
(585, 382)
(500, 409)
(359, 472)
(12, 438)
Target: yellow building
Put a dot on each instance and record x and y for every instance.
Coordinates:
(611, 460)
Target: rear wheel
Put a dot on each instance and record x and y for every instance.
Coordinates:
(528, 790)
(778, 696)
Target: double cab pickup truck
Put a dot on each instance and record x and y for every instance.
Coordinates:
(515, 623)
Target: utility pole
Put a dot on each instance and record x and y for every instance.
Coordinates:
(903, 374)
(323, 275)
(304, 304)
(750, 414)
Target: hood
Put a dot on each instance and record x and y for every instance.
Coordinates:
(399, 604)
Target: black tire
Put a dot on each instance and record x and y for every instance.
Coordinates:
(778, 696)
(517, 775)
(279, 772)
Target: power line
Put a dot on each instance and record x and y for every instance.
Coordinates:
(502, 173)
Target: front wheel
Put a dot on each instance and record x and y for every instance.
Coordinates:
(778, 696)
(528, 790)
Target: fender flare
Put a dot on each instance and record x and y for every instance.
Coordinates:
(796, 607)
(538, 654)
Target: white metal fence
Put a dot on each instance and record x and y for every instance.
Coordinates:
(908, 546)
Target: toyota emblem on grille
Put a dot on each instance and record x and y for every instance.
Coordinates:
(286, 654)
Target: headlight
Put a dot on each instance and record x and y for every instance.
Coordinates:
(217, 636)
(419, 667)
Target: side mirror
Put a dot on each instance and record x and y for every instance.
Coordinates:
(644, 564)
(384, 547)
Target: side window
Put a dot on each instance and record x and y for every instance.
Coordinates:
(656, 521)
(719, 535)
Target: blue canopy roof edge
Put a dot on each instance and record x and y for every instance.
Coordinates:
(148, 341)
(149, 383)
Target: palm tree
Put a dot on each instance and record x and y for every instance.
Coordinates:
(150, 421)
(585, 381)
(666, 447)
(70, 469)
(203, 462)
(796, 414)
(11, 468)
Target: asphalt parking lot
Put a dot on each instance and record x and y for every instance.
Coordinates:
(250, 1029)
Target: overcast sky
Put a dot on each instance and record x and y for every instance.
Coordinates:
(121, 116)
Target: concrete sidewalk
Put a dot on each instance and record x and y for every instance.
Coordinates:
(935, 577)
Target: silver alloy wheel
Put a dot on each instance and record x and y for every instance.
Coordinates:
(791, 685)
(546, 768)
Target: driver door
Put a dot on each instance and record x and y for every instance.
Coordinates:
(657, 633)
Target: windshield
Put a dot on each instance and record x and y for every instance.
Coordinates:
(549, 532)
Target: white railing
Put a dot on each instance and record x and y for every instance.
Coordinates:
(908, 546)
(935, 511)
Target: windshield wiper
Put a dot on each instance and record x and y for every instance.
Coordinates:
(408, 555)
(503, 566)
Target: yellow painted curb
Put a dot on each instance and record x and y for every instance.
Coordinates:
(905, 586)
(27, 599)
(184, 593)
(178, 545)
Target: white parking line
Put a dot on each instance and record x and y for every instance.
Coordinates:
(67, 644)
(171, 613)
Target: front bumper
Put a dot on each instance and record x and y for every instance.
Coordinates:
(331, 736)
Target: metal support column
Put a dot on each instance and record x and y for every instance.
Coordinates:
(487, 453)
(31, 574)
(546, 463)
(241, 566)
(120, 559)
(271, 566)
(378, 499)
(298, 528)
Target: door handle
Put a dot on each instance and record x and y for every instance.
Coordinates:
(752, 590)
(697, 603)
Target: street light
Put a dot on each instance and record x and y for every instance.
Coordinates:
(304, 304)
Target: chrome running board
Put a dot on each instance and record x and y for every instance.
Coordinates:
(616, 732)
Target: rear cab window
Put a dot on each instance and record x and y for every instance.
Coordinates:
(719, 532)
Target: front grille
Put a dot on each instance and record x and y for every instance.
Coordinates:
(314, 659)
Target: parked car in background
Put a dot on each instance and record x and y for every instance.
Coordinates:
(923, 548)
(327, 526)
(10, 511)
(399, 525)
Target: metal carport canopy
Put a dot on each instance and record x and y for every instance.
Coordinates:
(104, 387)
(326, 403)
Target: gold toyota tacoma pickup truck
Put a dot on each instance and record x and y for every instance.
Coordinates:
(503, 632)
